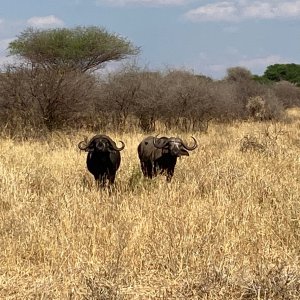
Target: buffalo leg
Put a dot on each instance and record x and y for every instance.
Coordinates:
(97, 179)
(111, 178)
(100, 180)
(146, 169)
(156, 169)
(149, 170)
(103, 180)
(170, 174)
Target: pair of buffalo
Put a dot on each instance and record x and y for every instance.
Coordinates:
(157, 156)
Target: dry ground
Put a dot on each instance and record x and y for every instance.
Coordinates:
(226, 227)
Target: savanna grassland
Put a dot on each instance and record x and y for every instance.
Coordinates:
(226, 227)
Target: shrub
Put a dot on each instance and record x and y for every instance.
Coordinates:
(265, 107)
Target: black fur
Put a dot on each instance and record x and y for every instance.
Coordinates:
(103, 159)
(159, 155)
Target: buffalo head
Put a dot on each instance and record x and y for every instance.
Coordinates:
(100, 143)
(174, 145)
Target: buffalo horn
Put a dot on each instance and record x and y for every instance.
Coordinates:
(83, 145)
(121, 148)
(156, 142)
(193, 147)
(113, 144)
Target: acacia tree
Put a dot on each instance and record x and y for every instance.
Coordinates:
(57, 62)
(80, 48)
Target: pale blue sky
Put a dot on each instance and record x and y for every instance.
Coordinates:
(204, 36)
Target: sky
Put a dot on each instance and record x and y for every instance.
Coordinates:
(205, 37)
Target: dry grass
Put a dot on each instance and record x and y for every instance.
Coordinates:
(226, 227)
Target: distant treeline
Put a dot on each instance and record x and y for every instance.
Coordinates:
(35, 99)
(56, 86)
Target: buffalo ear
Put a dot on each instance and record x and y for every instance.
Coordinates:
(184, 152)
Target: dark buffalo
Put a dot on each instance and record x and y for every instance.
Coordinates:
(103, 159)
(159, 155)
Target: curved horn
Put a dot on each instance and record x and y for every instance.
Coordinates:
(121, 148)
(193, 147)
(156, 142)
(113, 144)
(83, 145)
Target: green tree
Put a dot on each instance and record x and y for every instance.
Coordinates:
(80, 48)
(262, 79)
(286, 72)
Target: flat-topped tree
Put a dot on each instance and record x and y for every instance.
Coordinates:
(80, 48)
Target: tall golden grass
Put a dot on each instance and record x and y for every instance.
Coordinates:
(226, 227)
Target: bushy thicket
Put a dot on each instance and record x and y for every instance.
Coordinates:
(35, 99)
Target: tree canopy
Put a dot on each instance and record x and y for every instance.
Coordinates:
(238, 74)
(80, 48)
(283, 72)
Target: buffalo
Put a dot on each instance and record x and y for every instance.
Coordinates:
(159, 155)
(103, 159)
